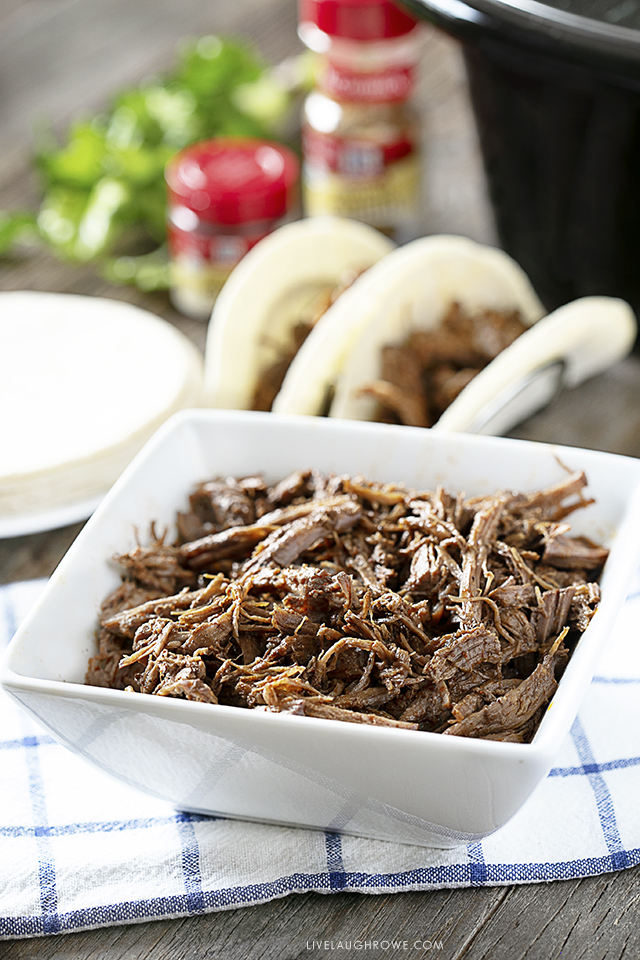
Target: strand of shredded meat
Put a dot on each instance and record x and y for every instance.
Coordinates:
(336, 597)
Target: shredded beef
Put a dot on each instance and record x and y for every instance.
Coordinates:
(423, 375)
(338, 598)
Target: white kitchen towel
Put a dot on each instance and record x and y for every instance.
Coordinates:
(79, 850)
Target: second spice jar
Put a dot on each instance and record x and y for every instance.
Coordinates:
(360, 131)
(223, 196)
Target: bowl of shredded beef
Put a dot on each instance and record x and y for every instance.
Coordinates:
(349, 626)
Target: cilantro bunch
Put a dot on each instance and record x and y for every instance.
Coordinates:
(103, 191)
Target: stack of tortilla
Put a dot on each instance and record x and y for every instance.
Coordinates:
(84, 382)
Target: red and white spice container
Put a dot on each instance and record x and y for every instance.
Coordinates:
(361, 136)
(224, 195)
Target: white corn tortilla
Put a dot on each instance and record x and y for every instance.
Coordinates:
(411, 287)
(586, 336)
(84, 382)
(263, 298)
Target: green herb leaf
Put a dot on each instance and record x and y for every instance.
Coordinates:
(16, 228)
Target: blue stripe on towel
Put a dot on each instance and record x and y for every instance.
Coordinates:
(477, 865)
(26, 742)
(100, 826)
(602, 796)
(586, 768)
(335, 866)
(620, 680)
(46, 862)
(190, 862)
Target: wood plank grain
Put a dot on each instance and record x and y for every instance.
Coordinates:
(589, 919)
(37, 555)
(67, 58)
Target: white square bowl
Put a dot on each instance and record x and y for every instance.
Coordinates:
(386, 783)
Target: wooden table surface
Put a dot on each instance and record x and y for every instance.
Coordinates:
(62, 58)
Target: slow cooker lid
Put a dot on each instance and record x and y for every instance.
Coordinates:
(609, 28)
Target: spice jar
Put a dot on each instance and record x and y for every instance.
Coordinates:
(360, 130)
(224, 196)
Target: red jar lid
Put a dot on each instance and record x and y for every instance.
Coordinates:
(233, 180)
(357, 19)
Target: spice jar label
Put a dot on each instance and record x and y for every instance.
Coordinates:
(381, 86)
(358, 178)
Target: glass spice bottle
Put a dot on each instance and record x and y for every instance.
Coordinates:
(223, 196)
(361, 138)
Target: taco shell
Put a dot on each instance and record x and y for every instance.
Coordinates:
(263, 299)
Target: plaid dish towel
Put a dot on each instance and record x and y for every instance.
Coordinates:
(79, 850)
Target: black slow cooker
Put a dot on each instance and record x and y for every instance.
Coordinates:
(556, 93)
